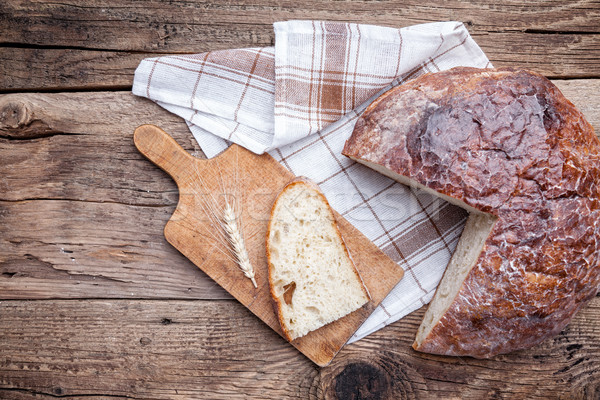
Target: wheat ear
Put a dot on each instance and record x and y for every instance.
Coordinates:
(236, 240)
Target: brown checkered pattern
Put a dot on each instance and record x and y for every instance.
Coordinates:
(299, 101)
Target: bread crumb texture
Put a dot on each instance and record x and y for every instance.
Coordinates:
(312, 277)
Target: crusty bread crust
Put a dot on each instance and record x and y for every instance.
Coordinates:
(277, 303)
(504, 142)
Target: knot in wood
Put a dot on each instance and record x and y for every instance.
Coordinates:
(18, 119)
(362, 381)
(14, 114)
(144, 341)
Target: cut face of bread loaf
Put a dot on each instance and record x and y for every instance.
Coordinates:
(509, 148)
(312, 278)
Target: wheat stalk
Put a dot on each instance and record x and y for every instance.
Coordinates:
(236, 240)
(230, 235)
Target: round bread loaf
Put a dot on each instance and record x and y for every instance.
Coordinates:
(506, 145)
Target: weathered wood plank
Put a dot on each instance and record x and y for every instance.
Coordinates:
(83, 249)
(102, 236)
(98, 198)
(553, 55)
(558, 55)
(218, 350)
(104, 43)
(90, 144)
(80, 146)
(95, 229)
(158, 25)
(60, 69)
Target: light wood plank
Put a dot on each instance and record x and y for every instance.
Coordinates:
(581, 93)
(218, 350)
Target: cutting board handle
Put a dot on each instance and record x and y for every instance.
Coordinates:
(160, 148)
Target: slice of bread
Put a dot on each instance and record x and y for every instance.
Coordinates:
(312, 277)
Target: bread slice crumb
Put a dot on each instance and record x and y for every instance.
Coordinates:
(312, 278)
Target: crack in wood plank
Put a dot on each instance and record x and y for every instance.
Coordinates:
(35, 134)
(61, 272)
(29, 199)
(58, 393)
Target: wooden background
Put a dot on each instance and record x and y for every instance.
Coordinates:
(95, 304)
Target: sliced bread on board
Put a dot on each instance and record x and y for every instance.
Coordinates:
(312, 278)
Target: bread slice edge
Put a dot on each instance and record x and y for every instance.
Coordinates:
(477, 230)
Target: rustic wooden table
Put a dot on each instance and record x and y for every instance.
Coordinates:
(95, 303)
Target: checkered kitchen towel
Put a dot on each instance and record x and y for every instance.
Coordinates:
(299, 101)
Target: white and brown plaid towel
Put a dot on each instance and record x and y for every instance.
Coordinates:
(299, 101)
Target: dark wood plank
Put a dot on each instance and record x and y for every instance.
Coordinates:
(93, 45)
(173, 26)
(218, 350)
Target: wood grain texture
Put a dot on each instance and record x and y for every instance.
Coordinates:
(68, 168)
(58, 69)
(559, 55)
(83, 249)
(84, 141)
(93, 44)
(219, 350)
(169, 26)
(252, 183)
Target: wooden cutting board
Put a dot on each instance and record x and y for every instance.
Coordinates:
(254, 182)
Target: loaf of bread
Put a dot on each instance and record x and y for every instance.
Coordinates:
(507, 146)
(312, 278)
